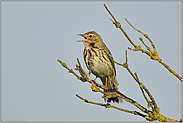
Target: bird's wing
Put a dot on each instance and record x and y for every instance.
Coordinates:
(109, 55)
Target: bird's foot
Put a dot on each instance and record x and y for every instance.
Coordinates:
(105, 88)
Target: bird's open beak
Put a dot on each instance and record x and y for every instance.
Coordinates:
(82, 36)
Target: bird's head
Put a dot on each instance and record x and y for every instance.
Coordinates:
(90, 38)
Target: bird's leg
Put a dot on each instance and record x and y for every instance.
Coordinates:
(105, 86)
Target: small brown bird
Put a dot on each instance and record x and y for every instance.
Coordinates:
(98, 57)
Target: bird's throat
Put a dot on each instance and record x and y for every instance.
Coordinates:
(92, 45)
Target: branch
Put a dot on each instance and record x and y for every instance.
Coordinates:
(149, 118)
(70, 70)
(96, 88)
(142, 87)
(111, 106)
(152, 53)
(151, 115)
(118, 25)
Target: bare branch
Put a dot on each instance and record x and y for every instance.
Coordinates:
(112, 106)
(118, 25)
(150, 115)
(70, 70)
(95, 87)
(152, 53)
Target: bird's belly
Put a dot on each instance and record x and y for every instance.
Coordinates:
(101, 68)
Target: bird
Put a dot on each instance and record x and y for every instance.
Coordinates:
(99, 60)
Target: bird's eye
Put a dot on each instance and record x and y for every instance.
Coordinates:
(90, 36)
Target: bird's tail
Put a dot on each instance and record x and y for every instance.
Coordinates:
(112, 85)
(115, 99)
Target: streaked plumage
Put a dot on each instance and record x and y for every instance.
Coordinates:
(100, 57)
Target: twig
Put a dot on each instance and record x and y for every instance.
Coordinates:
(141, 85)
(95, 87)
(118, 25)
(70, 70)
(111, 106)
(151, 115)
(84, 78)
(171, 71)
(153, 54)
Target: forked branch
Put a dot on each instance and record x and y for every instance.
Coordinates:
(150, 115)
(152, 53)
(97, 88)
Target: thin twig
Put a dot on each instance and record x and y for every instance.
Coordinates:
(96, 89)
(151, 115)
(134, 27)
(143, 43)
(153, 54)
(171, 71)
(110, 13)
(118, 25)
(141, 85)
(111, 106)
(70, 70)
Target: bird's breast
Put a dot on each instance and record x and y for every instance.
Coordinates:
(99, 62)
